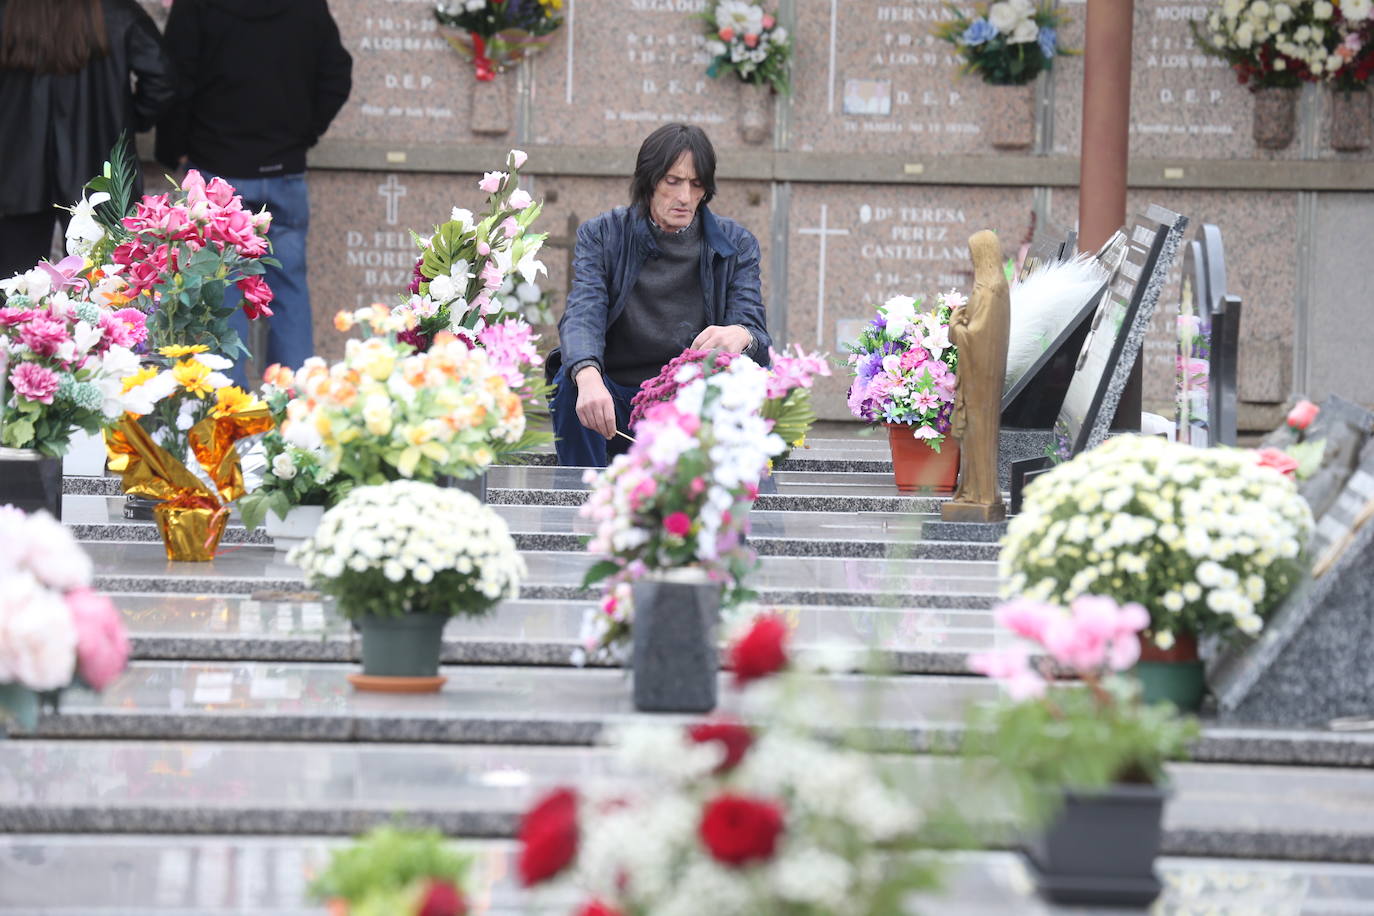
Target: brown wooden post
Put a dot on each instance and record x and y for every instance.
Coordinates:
(1104, 154)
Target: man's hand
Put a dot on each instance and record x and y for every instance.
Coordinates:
(595, 408)
(731, 337)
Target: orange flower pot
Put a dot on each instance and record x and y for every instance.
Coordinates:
(918, 467)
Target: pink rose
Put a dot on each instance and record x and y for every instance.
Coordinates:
(491, 276)
(1302, 414)
(726, 35)
(751, 40)
(517, 158)
(769, 21)
(221, 194)
(127, 253)
(34, 382)
(1279, 460)
(257, 295)
(37, 635)
(491, 181)
(194, 186)
(102, 649)
(678, 524)
(520, 199)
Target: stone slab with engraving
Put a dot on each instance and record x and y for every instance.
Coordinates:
(873, 75)
(620, 68)
(1184, 104)
(851, 248)
(1260, 231)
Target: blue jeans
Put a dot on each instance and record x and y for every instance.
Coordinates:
(578, 446)
(290, 335)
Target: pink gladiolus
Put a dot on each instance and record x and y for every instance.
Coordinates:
(520, 199)
(491, 181)
(1302, 414)
(517, 158)
(102, 649)
(34, 382)
(678, 524)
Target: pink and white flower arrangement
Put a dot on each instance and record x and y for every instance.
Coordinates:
(906, 369)
(467, 262)
(54, 629)
(743, 37)
(63, 358)
(681, 495)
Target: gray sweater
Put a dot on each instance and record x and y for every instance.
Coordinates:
(664, 312)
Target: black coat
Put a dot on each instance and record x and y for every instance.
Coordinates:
(260, 82)
(58, 129)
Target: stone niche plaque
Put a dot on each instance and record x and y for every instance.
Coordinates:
(409, 85)
(1260, 231)
(1184, 104)
(870, 75)
(618, 69)
(851, 249)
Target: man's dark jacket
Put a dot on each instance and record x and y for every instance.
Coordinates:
(59, 128)
(260, 82)
(611, 250)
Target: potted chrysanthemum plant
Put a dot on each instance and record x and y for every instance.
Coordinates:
(1086, 760)
(905, 375)
(1208, 541)
(400, 559)
(671, 516)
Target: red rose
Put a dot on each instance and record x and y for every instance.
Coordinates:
(1280, 461)
(256, 294)
(762, 651)
(739, 830)
(442, 899)
(1303, 412)
(548, 837)
(679, 524)
(597, 908)
(735, 738)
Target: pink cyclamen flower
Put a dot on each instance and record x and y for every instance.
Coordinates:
(520, 199)
(1302, 414)
(1027, 618)
(102, 648)
(1077, 644)
(34, 382)
(678, 524)
(491, 181)
(1011, 668)
(517, 158)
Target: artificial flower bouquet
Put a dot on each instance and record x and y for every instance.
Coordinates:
(389, 412)
(391, 871)
(497, 33)
(292, 476)
(1206, 540)
(1047, 738)
(1279, 44)
(788, 397)
(680, 495)
(55, 632)
(178, 444)
(464, 264)
(905, 368)
(64, 355)
(745, 39)
(408, 547)
(1007, 43)
(723, 817)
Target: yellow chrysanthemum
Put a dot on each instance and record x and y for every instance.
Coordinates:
(138, 378)
(232, 399)
(193, 376)
(180, 350)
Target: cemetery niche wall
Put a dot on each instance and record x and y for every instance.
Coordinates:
(877, 164)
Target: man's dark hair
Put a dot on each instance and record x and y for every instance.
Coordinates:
(660, 150)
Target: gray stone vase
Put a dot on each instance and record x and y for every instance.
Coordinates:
(1009, 116)
(676, 659)
(1100, 849)
(30, 481)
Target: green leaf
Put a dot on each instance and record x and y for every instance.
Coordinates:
(599, 571)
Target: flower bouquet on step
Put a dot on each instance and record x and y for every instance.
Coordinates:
(467, 261)
(736, 819)
(788, 403)
(745, 39)
(497, 33)
(178, 445)
(1007, 43)
(55, 632)
(680, 496)
(390, 871)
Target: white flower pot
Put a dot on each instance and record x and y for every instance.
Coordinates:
(299, 524)
(85, 455)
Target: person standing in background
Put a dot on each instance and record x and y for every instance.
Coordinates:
(260, 82)
(66, 94)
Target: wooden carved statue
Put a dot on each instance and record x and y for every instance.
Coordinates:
(981, 330)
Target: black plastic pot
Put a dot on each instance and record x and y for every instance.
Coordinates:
(30, 481)
(1101, 848)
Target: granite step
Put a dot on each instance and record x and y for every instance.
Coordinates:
(305, 702)
(218, 875)
(522, 632)
(849, 534)
(331, 788)
(250, 570)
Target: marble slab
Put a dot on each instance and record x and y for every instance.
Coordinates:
(218, 875)
(208, 787)
(251, 570)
